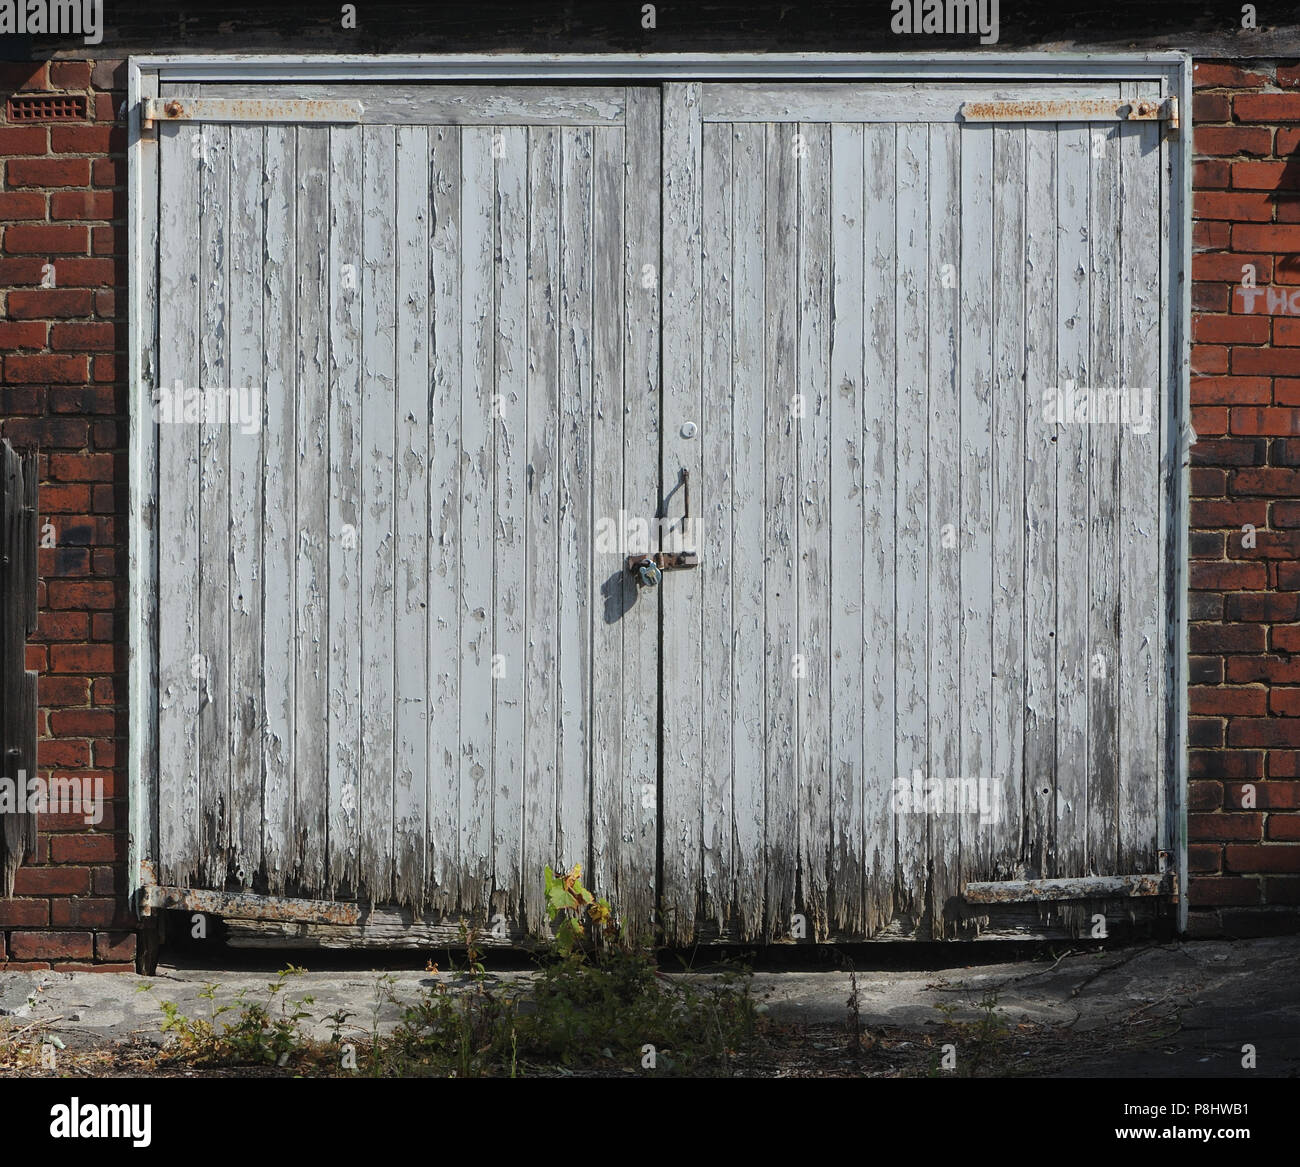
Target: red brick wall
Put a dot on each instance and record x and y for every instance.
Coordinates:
(62, 202)
(1245, 601)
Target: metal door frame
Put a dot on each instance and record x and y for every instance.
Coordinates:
(1171, 70)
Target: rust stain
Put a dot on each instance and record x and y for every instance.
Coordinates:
(1086, 887)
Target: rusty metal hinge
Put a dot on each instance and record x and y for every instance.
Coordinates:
(1105, 109)
(246, 109)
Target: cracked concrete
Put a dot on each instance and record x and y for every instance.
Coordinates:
(1201, 1001)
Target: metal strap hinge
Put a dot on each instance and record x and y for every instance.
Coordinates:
(1076, 110)
(247, 109)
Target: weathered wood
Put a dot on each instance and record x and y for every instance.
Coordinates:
(1079, 888)
(18, 687)
(681, 811)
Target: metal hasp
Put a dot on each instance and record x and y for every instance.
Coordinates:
(246, 109)
(1078, 110)
(648, 567)
(1088, 887)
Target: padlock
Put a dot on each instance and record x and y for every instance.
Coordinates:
(648, 573)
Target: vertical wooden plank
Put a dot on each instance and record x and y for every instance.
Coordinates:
(1104, 664)
(681, 809)
(812, 421)
(1140, 629)
(867, 691)
(345, 514)
(246, 377)
(573, 562)
(215, 229)
(911, 503)
(714, 491)
(1010, 401)
(477, 604)
(1073, 446)
(980, 833)
(508, 542)
(443, 769)
(410, 498)
(540, 542)
(311, 687)
(1040, 502)
(946, 614)
(378, 441)
(749, 701)
(279, 531)
(780, 535)
(179, 687)
(608, 580)
(641, 403)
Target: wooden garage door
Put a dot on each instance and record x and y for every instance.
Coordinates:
(912, 577)
(387, 652)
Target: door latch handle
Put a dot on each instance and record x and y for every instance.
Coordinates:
(648, 569)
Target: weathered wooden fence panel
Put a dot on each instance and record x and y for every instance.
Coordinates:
(18, 508)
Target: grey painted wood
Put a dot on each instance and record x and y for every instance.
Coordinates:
(246, 372)
(410, 523)
(212, 145)
(345, 513)
(682, 809)
(378, 444)
(311, 466)
(179, 855)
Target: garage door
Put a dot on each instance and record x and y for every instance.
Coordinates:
(908, 344)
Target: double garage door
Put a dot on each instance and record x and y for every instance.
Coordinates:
(431, 362)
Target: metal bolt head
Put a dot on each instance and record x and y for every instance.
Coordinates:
(690, 429)
(172, 109)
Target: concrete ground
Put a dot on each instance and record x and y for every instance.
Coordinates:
(1171, 1010)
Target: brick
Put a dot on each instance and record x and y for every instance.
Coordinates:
(69, 74)
(108, 73)
(1266, 480)
(78, 272)
(1266, 107)
(1264, 176)
(1209, 297)
(1286, 142)
(1205, 670)
(1273, 237)
(17, 913)
(1286, 638)
(1269, 607)
(1225, 329)
(1252, 702)
(96, 336)
(1286, 391)
(22, 334)
(1204, 795)
(49, 302)
(26, 75)
(52, 881)
(1263, 857)
(1212, 74)
(16, 140)
(51, 945)
(1214, 266)
(87, 848)
(1209, 358)
(95, 722)
(1218, 890)
(84, 204)
(1225, 141)
(1211, 236)
(1267, 299)
(1212, 174)
(1283, 827)
(1272, 670)
(81, 467)
(1264, 732)
(1205, 732)
(1208, 482)
(1227, 576)
(1288, 76)
(1230, 452)
(1287, 332)
(105, 139)
(21, 204)
(1286, 514)
(1226, 638)
(1211, 107)
(65, 692)
(51, 171)
(1209, 828)
(1228, 513)
(63, 753)
(1209, 420)
(111, 172)
(1203, 857)
(85, 912)
(1282, 890)
(62, 625)
(1286, 453)
(81, 658)
(45, 367)
(1247, 765)
(46, 239)
(1203, 607)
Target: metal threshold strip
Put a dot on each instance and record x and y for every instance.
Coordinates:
(157, 898)
(1081, 110)
(1089, 887)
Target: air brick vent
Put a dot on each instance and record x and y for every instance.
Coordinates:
(47, 107)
